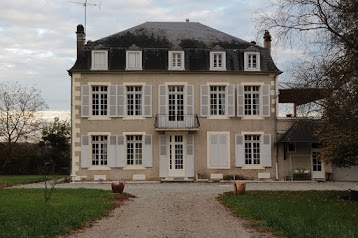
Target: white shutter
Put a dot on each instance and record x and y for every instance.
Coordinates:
(99, 60)
(214, 150)
(266, 109)
(85, 101)
(189, 163)
(113, 101)
(112, 151)
(162, 106)
(163, 158)
(121, 152)
(204, 102)
(131, 59)
(240, 101)
(266, 159)
(147, 101)
(223, 151)
(85, 152)
(230, 100)
(239, 150)
(121, 101)
(147, 151)
(190, 100)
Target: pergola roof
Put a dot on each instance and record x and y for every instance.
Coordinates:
(300, 96)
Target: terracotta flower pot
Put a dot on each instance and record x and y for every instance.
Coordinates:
(117, 187)
(239, 188)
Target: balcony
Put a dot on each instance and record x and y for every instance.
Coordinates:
(177, 122)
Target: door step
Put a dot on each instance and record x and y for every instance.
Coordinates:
(177, 180)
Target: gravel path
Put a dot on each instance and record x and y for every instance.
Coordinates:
(182, 210)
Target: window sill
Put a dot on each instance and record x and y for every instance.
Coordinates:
(217, 69)
(176, 69)
(99, 69)
(252, 118)
(133, 118)
(218, 117)
(99, 118)
(133, 69)
(218, 167)
(94, 167)
(134, 167)
(253, 167)
(252, 69)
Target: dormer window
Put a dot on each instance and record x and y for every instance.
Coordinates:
(252, 61)
(176, 60)
(218, 60)
(134, 60)
(99, 60)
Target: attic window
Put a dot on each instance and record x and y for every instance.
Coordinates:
(99, 60)
(134, 60)
(252, 61)
(217, 61)
(176, 60)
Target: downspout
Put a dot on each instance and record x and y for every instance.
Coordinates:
(275, 126)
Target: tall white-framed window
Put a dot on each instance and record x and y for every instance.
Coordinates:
(134, 149)
(99, 144)
(252, 100)
(176, 103)
(99, 60)
(252, 149)
(134, 60)
(99, 100)
(217, 100)
(252, 61)
(134, 100)
(217, 60)
(176, 60)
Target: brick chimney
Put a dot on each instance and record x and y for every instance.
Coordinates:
(267, 40)
(81, 38)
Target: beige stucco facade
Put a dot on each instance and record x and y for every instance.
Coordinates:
(103, 125)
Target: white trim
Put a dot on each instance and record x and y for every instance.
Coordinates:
(134, 133)
(217, 83)
(98, 134)
(253, 167)
(176, 83)
(248, 117)
(170, 58)
(223, 61)
(98, 167)
(105, 67)
(138, 67)
(246, 61)
(134, 84)
(216, 117)
(128, 118)
(252, 83)
(252, 133)
(99, 118)
(134, 117)
(134, 167)
(209, 133)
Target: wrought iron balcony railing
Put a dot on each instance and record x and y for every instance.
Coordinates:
(177, 122)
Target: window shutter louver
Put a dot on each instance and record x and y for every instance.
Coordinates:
(121, 100)
(266, 159)
(85, 101)
(113, 101)
(147, 151)
(240, 101)
(239, 150)
(147, 101)
(190, 106)
(85, 152)
(223, 153)
(214, 151)
(231, 100)
(266, 112)
(163, 158)
(204, 102)
(189, 163)
(121, 152)
(162, 105)
(112, 151)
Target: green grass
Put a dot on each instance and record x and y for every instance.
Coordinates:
(299, 213)
(24, 213)
(6, 181)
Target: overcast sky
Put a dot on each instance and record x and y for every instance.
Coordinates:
(38, 41)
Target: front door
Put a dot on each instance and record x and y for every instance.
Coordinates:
(176, 156)
(317, 167)
(176, 106)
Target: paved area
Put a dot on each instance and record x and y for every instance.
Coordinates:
(182, 209)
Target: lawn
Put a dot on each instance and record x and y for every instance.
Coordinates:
(23, 212)
(298, 213)
(6, 181)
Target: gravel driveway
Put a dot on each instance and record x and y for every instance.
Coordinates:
(182, 210)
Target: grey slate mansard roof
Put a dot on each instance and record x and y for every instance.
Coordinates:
(156, 38)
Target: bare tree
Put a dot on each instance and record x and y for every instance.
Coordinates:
(18, 120)
(327, 31)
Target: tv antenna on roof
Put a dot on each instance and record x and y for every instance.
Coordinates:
(85, 4)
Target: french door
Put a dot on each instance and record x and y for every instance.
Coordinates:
(176, 105)
(176, 156)
(317, 167)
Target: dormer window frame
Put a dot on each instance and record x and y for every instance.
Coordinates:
(218, 60)
(252, 61)
(172, 57)
(94, 65)
(129, 54)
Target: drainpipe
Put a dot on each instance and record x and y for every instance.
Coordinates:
(275, 126)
